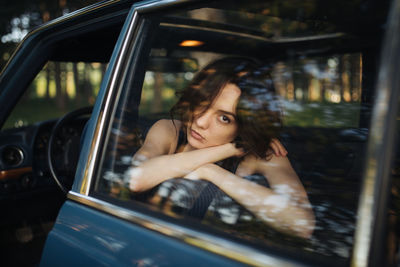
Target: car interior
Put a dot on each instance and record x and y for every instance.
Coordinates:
(33, 148)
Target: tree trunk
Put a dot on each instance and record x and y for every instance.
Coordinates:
(157, 98)
(78, 97)
(59, 92)
(48, 78)
(87, 91)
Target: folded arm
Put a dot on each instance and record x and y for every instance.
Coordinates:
(284, 206)
(156, 161)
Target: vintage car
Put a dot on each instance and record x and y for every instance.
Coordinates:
(81, 92)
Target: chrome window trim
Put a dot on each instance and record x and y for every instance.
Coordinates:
(114, 86)
(156, 5)
(112, 89)
(208, 242)
(375, 187)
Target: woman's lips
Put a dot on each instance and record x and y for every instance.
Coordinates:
(196, 135)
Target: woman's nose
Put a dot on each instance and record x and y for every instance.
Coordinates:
(203, 120)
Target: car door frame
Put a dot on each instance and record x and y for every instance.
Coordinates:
(370, 236)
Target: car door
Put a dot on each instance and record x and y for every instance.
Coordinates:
(55, 71)
(324, 69)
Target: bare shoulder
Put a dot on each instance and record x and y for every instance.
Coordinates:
(279, 170)
(282, 162)
(161, 138)
(275, 164)
(168, 126)
(247, 166)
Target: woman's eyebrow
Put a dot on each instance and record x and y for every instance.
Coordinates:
(227, 112)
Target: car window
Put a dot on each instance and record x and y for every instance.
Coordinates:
(306, 75)
(393, 208)
(60, 87)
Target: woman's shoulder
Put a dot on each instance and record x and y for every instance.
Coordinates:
(167, 124)
(247, 165)
(165, 133)
(166, 127)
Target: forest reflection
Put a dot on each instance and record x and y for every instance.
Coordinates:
(319, 91)
(321, 100)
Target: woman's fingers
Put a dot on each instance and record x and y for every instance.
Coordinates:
(278, 148)
(240, 152)
(235, 150)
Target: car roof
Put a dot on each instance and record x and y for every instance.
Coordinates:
(100, 24)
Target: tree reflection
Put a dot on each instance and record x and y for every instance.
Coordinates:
(320, 91)
(321, 102)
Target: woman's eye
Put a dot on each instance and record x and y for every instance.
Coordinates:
(224, 119)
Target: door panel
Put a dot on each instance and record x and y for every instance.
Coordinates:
(88, 237)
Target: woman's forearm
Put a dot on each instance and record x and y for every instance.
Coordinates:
(279, 210)
(154, 171)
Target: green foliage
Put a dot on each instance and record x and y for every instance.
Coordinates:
(19, 17)
(38, 109)
(322, 114)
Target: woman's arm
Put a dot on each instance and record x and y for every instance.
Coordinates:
(155, 162)
(284, 206)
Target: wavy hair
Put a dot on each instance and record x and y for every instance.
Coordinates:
(258, 112)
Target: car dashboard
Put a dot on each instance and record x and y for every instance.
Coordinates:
(24, 157)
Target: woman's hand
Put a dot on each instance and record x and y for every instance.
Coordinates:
(201, 173)
(231, 150)
(278, 149)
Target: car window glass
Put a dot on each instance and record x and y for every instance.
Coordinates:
(60, 87)
(323, 74)
(393, 216)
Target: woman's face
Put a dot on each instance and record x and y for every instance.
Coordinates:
(217, 125)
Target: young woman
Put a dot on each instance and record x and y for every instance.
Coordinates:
(222, 129)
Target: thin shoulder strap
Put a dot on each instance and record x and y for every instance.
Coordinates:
(181, 138)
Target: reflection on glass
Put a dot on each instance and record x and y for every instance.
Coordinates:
(319, 95)
(321, 92)
(393, 216)
(327, 161)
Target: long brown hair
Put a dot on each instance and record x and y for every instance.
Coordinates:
(258, 112)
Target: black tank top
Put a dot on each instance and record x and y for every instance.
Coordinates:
(203, 201)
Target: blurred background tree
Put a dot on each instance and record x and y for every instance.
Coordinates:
(53, 90)
(19, 17)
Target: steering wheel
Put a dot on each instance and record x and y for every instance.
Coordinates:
(68, 150)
